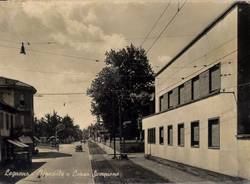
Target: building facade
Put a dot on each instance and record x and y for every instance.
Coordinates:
(202, 107)
(16, 117)
(7, 118)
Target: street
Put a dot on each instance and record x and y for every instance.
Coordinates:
(93, 165)
(64, 167)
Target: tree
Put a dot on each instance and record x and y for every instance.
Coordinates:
(126, 83)
(46, 126)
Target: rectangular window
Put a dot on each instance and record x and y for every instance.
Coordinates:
(161, 135)
(1, 120)
(170, 99)
(181, 134)
(161, 103)
(214, 78)
(195, 134)
(11, 121)
(22, 120)
(22, 102)
(7, 121)
(195, 88)
(170, 135)
(151, 136)
(181, 94)
(214, 133)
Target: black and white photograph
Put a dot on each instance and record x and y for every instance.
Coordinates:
(124, 91)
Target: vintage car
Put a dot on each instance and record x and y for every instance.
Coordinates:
(78, 148)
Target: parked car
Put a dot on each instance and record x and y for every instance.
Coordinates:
(78, 148)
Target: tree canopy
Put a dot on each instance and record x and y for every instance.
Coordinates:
(46, 126)
(127, 81)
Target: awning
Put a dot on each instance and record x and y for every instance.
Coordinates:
(25, 139)
(17, 143)
(38, 140)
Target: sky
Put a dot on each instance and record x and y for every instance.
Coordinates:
(64, 38)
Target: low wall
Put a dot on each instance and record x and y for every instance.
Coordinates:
(131, 146)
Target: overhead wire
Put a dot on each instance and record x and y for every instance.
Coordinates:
(166, 26)
(156, 22)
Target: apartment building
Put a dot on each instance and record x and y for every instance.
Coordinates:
(16, 117)
(202, 104)
(7, 114)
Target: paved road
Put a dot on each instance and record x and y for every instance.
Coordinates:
(63, 167)
(119, 171)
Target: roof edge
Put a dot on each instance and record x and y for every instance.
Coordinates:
(25, 86)
(204, 31)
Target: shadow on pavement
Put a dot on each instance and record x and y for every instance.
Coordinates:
(11, 175)
(51, 154)
(119, 171)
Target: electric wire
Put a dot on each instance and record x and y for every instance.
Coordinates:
(156, 22)
(166, 27)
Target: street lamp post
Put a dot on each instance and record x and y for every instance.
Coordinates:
(113, 132)
(59, 128)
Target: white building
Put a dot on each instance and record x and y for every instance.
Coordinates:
(203, 99)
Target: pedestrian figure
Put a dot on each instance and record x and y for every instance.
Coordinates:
(57, 146)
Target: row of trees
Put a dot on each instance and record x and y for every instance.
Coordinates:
(46, 126)
(123, 89)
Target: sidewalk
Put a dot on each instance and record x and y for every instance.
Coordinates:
(174, 173)
(119, 171)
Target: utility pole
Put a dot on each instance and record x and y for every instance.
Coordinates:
(120, 123)
(113, 132)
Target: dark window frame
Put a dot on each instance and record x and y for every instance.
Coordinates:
(195, 144)
(11, 121)
(22, 99)
(210, 146)
(151, 136)
(179, 94)
(169, 99)
(161, 137)
(170, 143)
(7, 121)
(196, 78)
(160, 102)
(217, 66)
(2, 119)
(179, 126)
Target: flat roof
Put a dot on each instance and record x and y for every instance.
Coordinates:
(200, 35)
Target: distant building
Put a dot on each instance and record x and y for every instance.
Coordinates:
(7, 114)
(16, 116)
(202, 95)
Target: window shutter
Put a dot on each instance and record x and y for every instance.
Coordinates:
(196, 133)
(215, 135)
(165, 101)
(187, 86)
(171, 135)
(215, 78)
(204, 83)
(196, 88)
(182, 94)
(182, 136)
(175, 97)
